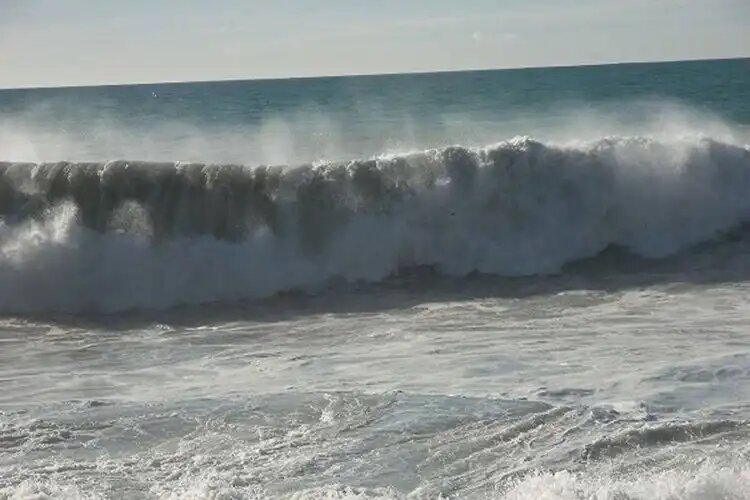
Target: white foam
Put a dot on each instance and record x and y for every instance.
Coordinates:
(516, 208)
(708, 483)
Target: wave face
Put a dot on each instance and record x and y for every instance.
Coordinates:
(119, 235)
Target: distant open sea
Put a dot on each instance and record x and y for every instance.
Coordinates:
(516, 284)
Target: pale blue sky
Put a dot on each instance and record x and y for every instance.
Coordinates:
(72, 42)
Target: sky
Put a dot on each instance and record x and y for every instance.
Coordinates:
(91, 42)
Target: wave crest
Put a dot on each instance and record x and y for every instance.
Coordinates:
(121, 234)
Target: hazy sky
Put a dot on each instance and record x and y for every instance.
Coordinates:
(69, 42)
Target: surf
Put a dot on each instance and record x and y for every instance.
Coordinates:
(116, 235)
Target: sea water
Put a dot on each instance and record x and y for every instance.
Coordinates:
(514, 284)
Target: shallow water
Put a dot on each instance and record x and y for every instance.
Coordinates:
(584, 385)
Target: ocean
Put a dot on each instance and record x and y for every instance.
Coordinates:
(515, 284)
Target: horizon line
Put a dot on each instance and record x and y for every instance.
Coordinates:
(356, 75)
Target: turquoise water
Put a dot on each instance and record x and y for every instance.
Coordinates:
(498, 284)
(717, 86)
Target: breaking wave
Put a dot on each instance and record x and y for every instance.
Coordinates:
(122, 234)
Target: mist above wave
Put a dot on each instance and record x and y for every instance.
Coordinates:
(63, 129)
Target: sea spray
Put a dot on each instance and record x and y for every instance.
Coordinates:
(120, 234)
